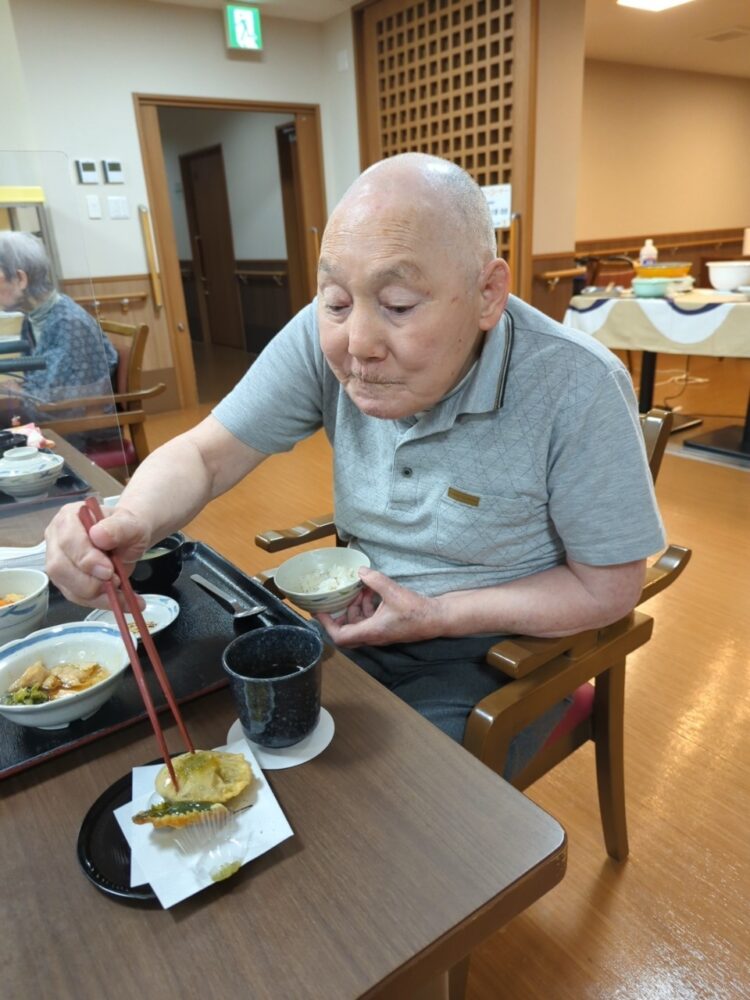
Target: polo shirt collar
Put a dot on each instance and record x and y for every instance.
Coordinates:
(483, 388)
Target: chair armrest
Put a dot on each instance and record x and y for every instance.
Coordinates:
(266, 578)
(521, 654)
(287, 538)
(665, 571)
(495, 720)
(89, 402)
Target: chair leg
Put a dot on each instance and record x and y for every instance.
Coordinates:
(458, 977)
(609, 706)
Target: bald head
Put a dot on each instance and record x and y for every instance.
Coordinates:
(434, 195)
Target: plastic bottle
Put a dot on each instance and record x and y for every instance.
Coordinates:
(648, 254)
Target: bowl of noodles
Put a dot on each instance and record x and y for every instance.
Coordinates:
(24, 599)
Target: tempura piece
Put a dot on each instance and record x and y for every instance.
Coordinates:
(179, 814)
(205, 776)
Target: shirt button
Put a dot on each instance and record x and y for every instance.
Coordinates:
(407, 471)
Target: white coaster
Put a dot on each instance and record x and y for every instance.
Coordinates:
(274, 760)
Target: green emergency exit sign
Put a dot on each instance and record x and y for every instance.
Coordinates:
(243, 27)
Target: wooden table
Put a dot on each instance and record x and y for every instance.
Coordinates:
(407, 853)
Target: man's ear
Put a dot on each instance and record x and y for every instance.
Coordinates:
(23, 280)
(494, 288)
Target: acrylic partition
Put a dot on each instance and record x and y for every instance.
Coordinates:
(58, 367)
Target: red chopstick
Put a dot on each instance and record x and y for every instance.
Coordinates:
(89, 514)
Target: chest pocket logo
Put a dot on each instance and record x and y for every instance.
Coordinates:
(485, 529)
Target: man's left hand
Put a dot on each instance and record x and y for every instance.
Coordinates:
(383, 613)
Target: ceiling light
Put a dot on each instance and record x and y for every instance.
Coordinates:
(652, 5)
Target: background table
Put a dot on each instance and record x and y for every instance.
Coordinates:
(697, 322)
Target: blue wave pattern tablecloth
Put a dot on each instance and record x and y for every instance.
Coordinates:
(693, 323)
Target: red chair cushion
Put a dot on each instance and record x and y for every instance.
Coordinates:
(582, 708)
(112, 454)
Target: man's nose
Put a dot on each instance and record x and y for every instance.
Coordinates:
(365, 338)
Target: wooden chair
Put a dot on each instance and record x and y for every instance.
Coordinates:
(545, 671)
(113, 451)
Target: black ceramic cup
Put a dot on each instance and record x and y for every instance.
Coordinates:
(159, 567)
(274, 675)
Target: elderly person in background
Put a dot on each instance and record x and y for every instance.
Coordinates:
(489, 461)
(79, 358)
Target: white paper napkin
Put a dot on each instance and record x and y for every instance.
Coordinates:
(23, 557)
(156, 859)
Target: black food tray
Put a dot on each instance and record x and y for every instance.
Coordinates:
(190, 650)
(69, 486)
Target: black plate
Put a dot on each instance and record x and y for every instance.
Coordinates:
(103, 852)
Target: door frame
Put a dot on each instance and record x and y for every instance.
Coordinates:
(157, 189)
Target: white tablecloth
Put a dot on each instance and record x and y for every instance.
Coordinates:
(688, 324)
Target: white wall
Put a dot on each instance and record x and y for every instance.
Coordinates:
(251, 165)
(16, 130)
(83, 60)
(662, 151)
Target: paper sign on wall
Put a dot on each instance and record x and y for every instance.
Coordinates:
(498, 198)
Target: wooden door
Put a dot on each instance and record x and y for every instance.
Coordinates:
(454, 78)
(210, 225)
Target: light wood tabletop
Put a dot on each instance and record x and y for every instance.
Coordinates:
(407, 853)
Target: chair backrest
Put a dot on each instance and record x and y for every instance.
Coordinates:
(130, 343)
(656, 426)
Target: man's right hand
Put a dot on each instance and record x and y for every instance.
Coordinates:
(79, 565)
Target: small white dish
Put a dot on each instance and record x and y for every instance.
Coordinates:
(276, 760)
(160, 612)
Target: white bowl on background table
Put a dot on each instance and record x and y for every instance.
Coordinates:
(28, 472)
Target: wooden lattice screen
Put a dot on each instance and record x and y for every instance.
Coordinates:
(439, 78)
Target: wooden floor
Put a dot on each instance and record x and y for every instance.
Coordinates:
(673, 922)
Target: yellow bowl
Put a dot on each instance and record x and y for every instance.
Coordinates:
(666, 269)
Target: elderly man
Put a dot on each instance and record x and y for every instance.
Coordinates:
(488, 461)
(78, 356)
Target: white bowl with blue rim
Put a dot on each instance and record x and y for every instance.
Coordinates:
(28, 472)
(73, 642)
(159, 613)
(322, 579)
(26, 614)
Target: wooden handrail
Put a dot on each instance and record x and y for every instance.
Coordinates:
(554, 277)
(124, 301)
(244, 273)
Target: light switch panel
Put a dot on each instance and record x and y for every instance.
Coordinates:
(118, 207)
(94, 206)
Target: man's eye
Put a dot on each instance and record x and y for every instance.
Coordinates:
(399, 310)
(334, 307)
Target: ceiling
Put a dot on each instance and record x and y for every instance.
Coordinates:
(678, 38)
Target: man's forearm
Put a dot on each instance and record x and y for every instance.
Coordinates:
(557, 602)
(177, 480)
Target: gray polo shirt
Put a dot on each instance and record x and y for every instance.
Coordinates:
(537, 453)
